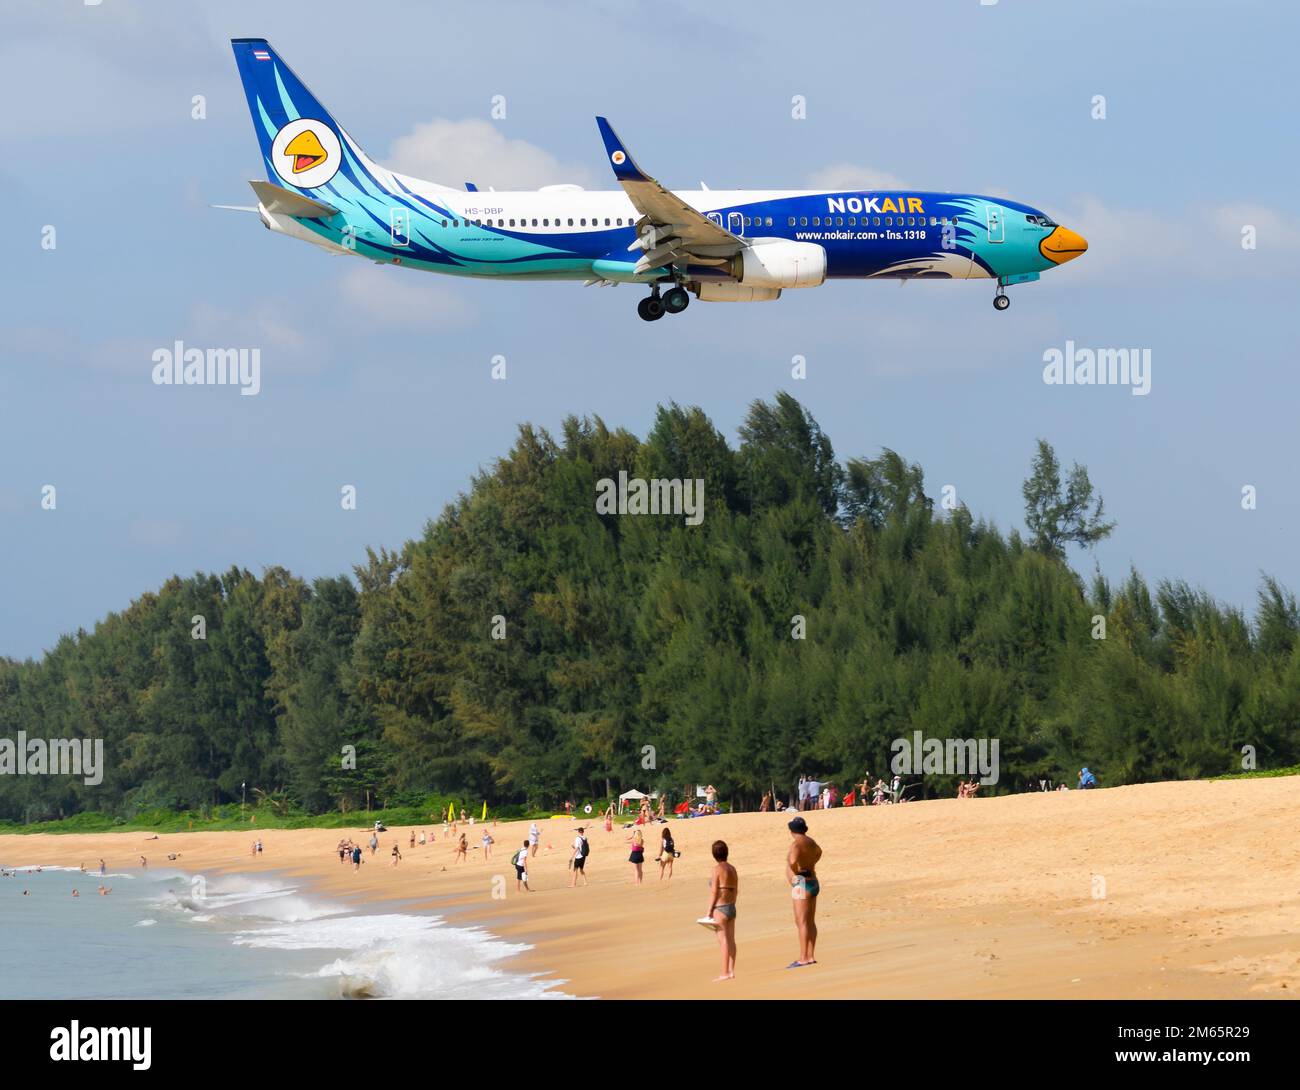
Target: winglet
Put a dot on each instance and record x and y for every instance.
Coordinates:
(625, 168)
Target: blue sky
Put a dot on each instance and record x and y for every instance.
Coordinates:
(380, 378)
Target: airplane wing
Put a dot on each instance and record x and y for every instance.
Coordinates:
(669, 229)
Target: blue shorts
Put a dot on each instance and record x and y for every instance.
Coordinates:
(805, 887)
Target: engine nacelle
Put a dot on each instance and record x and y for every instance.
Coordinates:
(777, 263)
(725, 291)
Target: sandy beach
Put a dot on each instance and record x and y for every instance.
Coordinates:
(1171, 890)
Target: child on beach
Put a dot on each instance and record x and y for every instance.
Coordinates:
(397, 854)
(487, 844)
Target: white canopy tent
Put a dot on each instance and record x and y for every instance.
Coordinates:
(630, 796)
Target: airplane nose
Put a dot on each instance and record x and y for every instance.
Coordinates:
(1063, 245)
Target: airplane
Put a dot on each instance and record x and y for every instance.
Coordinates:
(722, 246)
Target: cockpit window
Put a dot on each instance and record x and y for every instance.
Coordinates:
(1041, 221)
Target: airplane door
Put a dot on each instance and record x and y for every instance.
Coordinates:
(996, 227)
(735, 223)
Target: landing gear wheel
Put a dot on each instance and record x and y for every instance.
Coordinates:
(651, 308)
(1001, 301)
(676, 300)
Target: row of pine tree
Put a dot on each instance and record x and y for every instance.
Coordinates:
(528, 649)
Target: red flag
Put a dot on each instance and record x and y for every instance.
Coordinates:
(848, 799)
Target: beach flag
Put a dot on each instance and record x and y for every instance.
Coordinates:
(484, 817)
(451, 812)
(848, 799)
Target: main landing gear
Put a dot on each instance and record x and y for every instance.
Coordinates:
(1001, 300)
(655, 306)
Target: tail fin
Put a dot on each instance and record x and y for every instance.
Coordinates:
(302, 145)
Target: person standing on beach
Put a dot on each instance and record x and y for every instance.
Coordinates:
(356, 857)
(396, 853)
(801, 872)
(462, 850)
(724, 887)
(667, 853)
(101, 868)
(534, 835)
(520, 860)
(374, 843)
(487, 845)
(581, 849)
(637, 858)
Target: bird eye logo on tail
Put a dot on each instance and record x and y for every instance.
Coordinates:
(306, 153)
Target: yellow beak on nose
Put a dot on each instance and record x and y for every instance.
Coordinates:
(1063, 245)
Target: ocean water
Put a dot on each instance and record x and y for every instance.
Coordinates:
(158, 935)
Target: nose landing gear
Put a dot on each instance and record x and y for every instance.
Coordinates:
(1001, 300)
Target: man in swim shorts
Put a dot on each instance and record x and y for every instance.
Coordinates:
(579, 861)
(801, 873)
(520, 860)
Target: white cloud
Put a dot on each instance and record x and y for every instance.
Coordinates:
(455, 152)
(1205, 244)
(852, 176)
(404, 298)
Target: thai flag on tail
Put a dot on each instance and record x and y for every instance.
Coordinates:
(261, 55)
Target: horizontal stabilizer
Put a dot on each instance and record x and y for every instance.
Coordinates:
(286, 202)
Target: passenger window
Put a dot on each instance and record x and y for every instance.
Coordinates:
(791, 223)
(875, 221)
(803, 221)
(570, 222)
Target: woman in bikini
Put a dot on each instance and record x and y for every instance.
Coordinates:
(724, 885)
